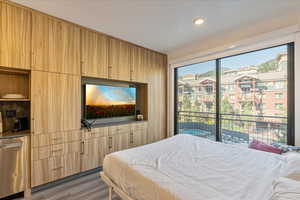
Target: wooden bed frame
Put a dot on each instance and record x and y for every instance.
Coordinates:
(112, 187)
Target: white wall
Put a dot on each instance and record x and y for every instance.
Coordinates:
(258, 41)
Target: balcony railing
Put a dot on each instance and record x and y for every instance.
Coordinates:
(234, 128)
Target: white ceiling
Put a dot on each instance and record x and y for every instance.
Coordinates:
(164, 25)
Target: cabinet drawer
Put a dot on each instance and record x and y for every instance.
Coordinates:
(72, 136)
(51, 169)
(115, 130)
(139, 125)
(40, 172)
(55, 138)
(56, 150)
(95, 133)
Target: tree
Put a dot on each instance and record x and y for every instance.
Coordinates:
(268, 66)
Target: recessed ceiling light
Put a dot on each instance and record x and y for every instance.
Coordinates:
(198, 21)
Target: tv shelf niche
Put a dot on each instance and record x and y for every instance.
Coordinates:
(106, 96)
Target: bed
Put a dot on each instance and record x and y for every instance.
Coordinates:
(186, 167)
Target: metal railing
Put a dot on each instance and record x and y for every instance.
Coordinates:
(234, 128)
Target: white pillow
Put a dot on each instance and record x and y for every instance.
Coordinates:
(286, 189)
(292, 169)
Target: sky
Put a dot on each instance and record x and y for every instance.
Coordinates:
(234, 62)
(109, 95)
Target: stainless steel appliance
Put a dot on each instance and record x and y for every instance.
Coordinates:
(12, 166)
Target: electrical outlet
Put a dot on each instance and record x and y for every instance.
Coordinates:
(11, 113)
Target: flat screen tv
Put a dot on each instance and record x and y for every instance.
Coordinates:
(103, 101)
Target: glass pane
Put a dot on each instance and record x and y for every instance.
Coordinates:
(254, 96)
(196, 100)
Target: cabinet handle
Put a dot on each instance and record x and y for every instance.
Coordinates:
(109, 71)
(110, 142)
(32, 128)
(131, 138)
(82, 148)
(57, 150)
(57, 168)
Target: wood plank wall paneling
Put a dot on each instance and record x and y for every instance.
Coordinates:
(15, 36)
(55, 45)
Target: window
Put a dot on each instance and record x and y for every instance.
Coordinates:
(279, 106)
(278, 95)
(234, 104)
(279, 85)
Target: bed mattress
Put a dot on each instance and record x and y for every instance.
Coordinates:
(186, 167)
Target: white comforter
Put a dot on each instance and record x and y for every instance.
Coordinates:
(191, 168)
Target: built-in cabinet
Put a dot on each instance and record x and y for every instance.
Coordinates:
(15, 36)
(56, 102)
(55, 55)
(55, 45)
(61, 154)
(119, 62)
(94, 54)
(54, 156)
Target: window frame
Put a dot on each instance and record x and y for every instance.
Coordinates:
(290, 91)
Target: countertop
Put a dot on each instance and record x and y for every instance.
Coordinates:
(115, 123)
(10, 134)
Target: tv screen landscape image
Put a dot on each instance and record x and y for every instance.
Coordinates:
(109, 101)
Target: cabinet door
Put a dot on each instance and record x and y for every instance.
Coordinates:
(94, 52)
(72, 164)
(94, 152)
(90, 159)
(138, 57)
(55, 102)
(157, 94)
(15, 36)
(119, 60)
(55, 45)
(40, 172)
(138, 136)
(118, 142)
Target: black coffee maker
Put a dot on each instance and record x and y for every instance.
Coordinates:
(21, 124)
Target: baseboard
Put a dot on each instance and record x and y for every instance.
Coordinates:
(64, 180)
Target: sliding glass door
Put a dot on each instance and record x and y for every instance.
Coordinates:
(239, 98)
(196, 100)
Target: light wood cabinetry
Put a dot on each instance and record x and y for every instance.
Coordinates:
(54, 168)
(119, 67)
(118, 142)
(157, 90)
(94, 54)
(15, 36)
(139, 59)
(55, 102)
(14, 82)
(138, 135)
(94, 148)
(94, 152)
(55, 156)
(55, 45)
(55, 54)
